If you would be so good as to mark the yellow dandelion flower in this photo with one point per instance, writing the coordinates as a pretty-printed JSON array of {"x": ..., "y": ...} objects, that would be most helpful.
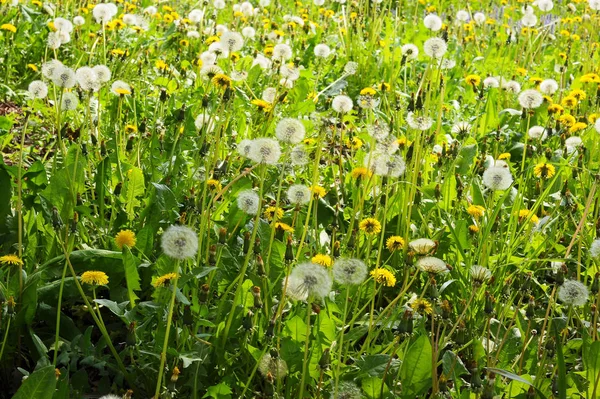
[
  {"x": 555, "y": 109},
  {"x": 522, "y": 71},
  {"x": 473, "y": 80},
  {"x": 504, "y": 155},
  {"x": 567, "y": 120},
  {"x": 354, "y": 143},
  {"x": 370, "y": 226},
  {"x": 165, "y": 280},
  {"x": 284, "y": 227},
  {"x": 318, "y": 191},
  {"x": 422, "y": 306},
  {"x": 476, "y": 211},
  {"x": 360, "y": 172},
  {"x": 125, "y": 238},
  {"x": 261, "y": 104},
  {"x": 12, "y": 260},
  {"x": 130, "y": 129},
  {"x": 322, "y": 259},
  {"x": 394, "y": 243},
  {"x": 8, "y": 28},
  {"x": 214, "y": 184},
  {"x": 32, "y": 67},
  {"x": 221, "y": 80},
  {"x": 473, "y": 229},
  {"x": 526, "y": 213},
  {"x": 93, "y": 277},
  {"x": 577, "y": 127},
  {"x": 271, "y": 212},
  {"x": 578, "y": 94},
  {"x": 383, "y": 276},
  {"x": 544, "y": 170},
  {"x": 368, "y": 91},
  {"x": 569, "y": 102}
]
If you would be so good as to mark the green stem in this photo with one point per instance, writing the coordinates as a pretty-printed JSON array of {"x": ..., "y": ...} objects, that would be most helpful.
[{"x": 163, "y": 354}]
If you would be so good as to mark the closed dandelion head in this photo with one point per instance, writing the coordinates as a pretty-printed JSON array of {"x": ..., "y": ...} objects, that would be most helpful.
[
  {"x": 530, "y": 99},
  {"x": 595, "y": 249},
  {"x": 342, "y": 104},
  {"x": 497, "y": 178},
  {"x": 348, "y": 271},
  {"x": 298, "y": 194},
  {"x": 422, "y": 246},
  {"x": 265, "y": 150},
  {"x": 249, "y": 202},
  {"x": 394, "y": 243},
  {"x": 432, "y": 265},
  {"x": 38, "y": 89},
  {"x": 164, "y": 280},
  {"x": 272, "y": 367},
  {"x": 308, "y": 280},
  {"x": 383, "y": 276},
  {"x": 347, "y": 390},
  {"x": 11, "y": 260},
  {"x": 573, "y": 293},
  {"x": 125, "y": 238},
  {"x": 290, "y": 130},
  {"x": 179, "y": 242},
  {"x": 370, "y": 226},
  {"x": 480, "y": 275},
  {"x": 94, "y": 278}
]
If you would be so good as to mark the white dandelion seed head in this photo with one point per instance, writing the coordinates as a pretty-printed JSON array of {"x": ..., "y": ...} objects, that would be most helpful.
[
  {"x": 497, "y": 178},
  {"x": 479, "y": 18},
  {"x": 298, "y": 194},
  {"x": 282, "y": 52},
  {"x": 38, "y": 89},
  {"x": 63, "y": 25},
  {"x": 219, "y": 4},
  {"x": 244, "y": 146},
  {"x": 232, "y": 41},
  {"x": 435, "y": 47},
  {"x": 269, "y": 94},
  {"x": 529, "y": 20},
  {"x": 549, "y": 86},
  {"x": 433, "y": 22},
  {"x": 193, "y": 34},
  {"x": 318, "y": 2},
  {"x": 538, "y": 133},
  {"x": 290, "y": 130},
  {"x": 219, "y": 49},
  {"x": 433, "y": 265},
  {"x": 594, "y": 5},
  {"x": 597, "y": 125},
  {"x": 262, "y": 61},
  {"x": 110, "y": 396},
  {"x": 150, "y": 10},
  {"x": 461, "y": 128},
  {"x": 480, "y": 274},
  {"x": 544, "y": 5},
  {"x": 308, "y": 280},
  {"x": 196, "y": 16},
  {"x": 422, "y": 246},
  {"x": 78, "y": 20},
  {"x": 87, "y": 79},
  {"x": 350, "y": 68},
  {"x": 265, "y": 150},
  {"x": 248, "y": 202},
  {"x": 349, "y": 271},
  {"x": 573, "y": 293},
  {"x": 264, "y": 3},
  {"x": 272, "y": 366},
  {"x": 447, "y": 63},
  {"x": 418, "y": 122},
  {"x": 205, "y": 121},
  {"x": 289, "y": 72},
  {"x": 347, "y": 390},
  {"x": 530, "y": 99},
  {"x": 367, "y": 101},
  {"x": 462, "y": 16},
  {"x": 342, "y": 104},
  {"x": 573, "y": 142},
  {"x": 69, "y": 101},
  {"x": 410, "y": 51},
  {"x": 130, "y": 19},
  {"x": 388, "y": 145},
  {"x": 102, "y": 72},
  {"x": 119, "y": 85},
  {"x": 249, "y": 32},
  {"x": 104, "y": 12},
  {"x": 511, "y": 86},
  {"x": 595, "y": 249},
  {"x": 64, "y": 77},
  {"x": 390, "y": 166},
  {"x": 208, "y": 58},
  {"x": 299, "y": 156},
  {"x": 179, "y": 242},
  {"x": 322, "y": 50},
  {"x": 491, "y": 82}
]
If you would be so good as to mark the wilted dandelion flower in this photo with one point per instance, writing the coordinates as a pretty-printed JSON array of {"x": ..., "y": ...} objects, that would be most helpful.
[
  {"x": 370, "y": 226},
  {"x": 125, "y": 238},
  {"x": 120, "y": 88},
  {"x": 308, "y": 280},
  {"x": 422, "y": 246},
  {"x": 322, "y": 259},
  {"x": 179, "y": 242},
  {"x": 347, "y": 390},
  {"x": 544, "y": 170},
  {"x": 164, "y": 280},
  {"x": 248, "y": 202},
  {"x": 383, "y": 276},
  {"x": 290, "y": 130},
  {"x": 94, "y": 278},
  {"x": 432, "y": 22},
  {"x": 595, "y": 248},
  {"x": 342, "y": 104},
  {"x": 265, "y": 150},
  {"x": 298, "y": 194},
  {"x": 530, "y": 99},
  {"x": 435, "y": 47},
  {"x": 497, "y": 178},
  {"x": 272, "y": 367},
  {"x": 480, "y": 274},
  {"x": 12, "y": 260},
  {"x": 432, "y": 265},
  {"x": 38, "y": 89},
  {"x": 573, "y": 293},
  {"x": 69, "y": 101},
  {"x": 394, "y": 243},
  {"x": 349, "y": 271}
]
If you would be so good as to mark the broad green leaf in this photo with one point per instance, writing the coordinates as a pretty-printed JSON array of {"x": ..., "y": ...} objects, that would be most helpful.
[
  {"x": 453, "y": 365},
  {"x": 132, "y": 276},
  {"x": 5, "y": 194},
  {"x": 416, "y": 370},
  {"x": 220, "y": 391},
  {"x": 39, "y": 385},
  {"x": 591, "y": 360},
  {"x": 372, "y": 387},
  {"x": 295, "y": 328},
  {"x": 133, "y": 188},
  {"x": 373, "y": 365}
]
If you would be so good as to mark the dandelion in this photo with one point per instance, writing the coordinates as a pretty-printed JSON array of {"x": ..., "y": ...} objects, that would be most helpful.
[
  {"x": 248, "y": 202},
  {"x": 179, "y": 242},
  {"x": 573, "y": 293},
  {"x": 418, "y": 122},
  {"x": 290, "y": 130},
  {"x": 164, "y": 280},
  {"x": 206, "y": 122},
  {"x": 383, "y": 276},
  {"x": 525, "y": 214},
  {"x": 69, "y": 102},
  {"x": 298, "y": 194},
  {"x": 347, "y": 390},
  {"x": 544, "y": 170},
  {"x": 272, "y": 367},
  {"x": 221, "y": 80},
  {"x": 87, "y": 79},
  {"x": 360, "y": 172},
  {"x": 491, "y": 82},
  {"x": 548, "y": 86},
  {"x": 232, "y": 41},
  {"x": 12, "y": 260},
  {"x": 318, "y": 191},
  {"x": 342, "y": 104},
  {"x": 379, "y": 130},
  {"x": 110, "y": 397},
  {"x": 282, "y": 52},
  {"x": 422, "y": 306},
  {"x": 102, "y": 72},
  {"x": 422, "y": 246},
  {"x": 473, "y": 80},
  {"x": 308, "y": 280},
  {"x": 480, "y": 275},
  {"x": 299, "y": 156},
  {"x": 125, "y": 238},
  {"x": 64, "y": 77},
  {"x": 120, "y": 88},
  {"x": 410, "y": 51},
  {"x": 370, "y": 226},
  {"x": 595, "y": 249},
  {"x": 394, "y": 243},
  {"x": 435, "y": 47},
  {"x": 271, "y": 212},
  {"x": 265, "y": 150},
  {"x": 476, "y": 211},
  {"x": 432, "y": 265},
  {"x": 349, "y": 271},
  {"x": 8, "y": 28},
  {"x": 94, "y": 278},
  {"x": 38, "y": 89},
  {"x": 538, "y": 133},
  {"x": 322, "y": 51},
  {"x": 322, "y": 259},
  {"x": 497, "y": 178},
  {"x": 433, "y": 22},
  {"x": 530, "y": 99}
]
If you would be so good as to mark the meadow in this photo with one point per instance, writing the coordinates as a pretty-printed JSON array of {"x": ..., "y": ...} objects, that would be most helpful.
[{"x": 299, "y": 199}]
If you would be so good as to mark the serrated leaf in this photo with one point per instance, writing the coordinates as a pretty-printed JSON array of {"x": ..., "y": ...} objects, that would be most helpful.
[
  {"x": 133, "y": 188},
  {"x": 132, "y": 277},
  {"x": 39, "y": 385},
  {"x": 416, "y": 370}
]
